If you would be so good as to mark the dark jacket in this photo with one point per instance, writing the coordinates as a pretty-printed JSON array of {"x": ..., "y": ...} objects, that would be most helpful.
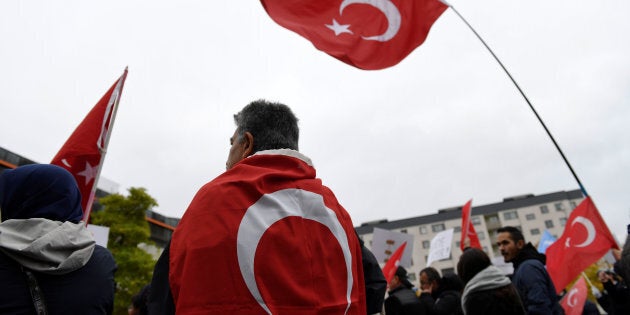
[
  {"x": 533, "y": 283},
  {"x": 403, "y": 301},
  {"x": 88, "y": 290},
  {"x": 448, "y": 299},
  {"x": 375, "y": 284},
  {"x": 616, "y": 298}
]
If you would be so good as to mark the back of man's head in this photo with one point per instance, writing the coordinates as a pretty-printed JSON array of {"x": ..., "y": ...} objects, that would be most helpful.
[
  {"x": 515, "y": 234},
  {"x": 272, "y": 125}
]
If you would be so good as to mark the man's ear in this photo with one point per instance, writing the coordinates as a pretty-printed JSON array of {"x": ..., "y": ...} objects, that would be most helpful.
[
  {"x": 520, "y": 244},
  {"x": 248, "y": 144}
]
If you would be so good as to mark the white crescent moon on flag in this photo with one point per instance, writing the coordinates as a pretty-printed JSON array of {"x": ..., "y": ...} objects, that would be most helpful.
[
  {"x": 389, "y": 10},
  {"x": 571, "y": 298},
  {"x": 271, "y": 208},
  {"x": 590, "y": 229}
]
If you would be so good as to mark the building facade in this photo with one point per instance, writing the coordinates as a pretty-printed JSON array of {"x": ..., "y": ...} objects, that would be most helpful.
[{"x": 531, "y": 214}]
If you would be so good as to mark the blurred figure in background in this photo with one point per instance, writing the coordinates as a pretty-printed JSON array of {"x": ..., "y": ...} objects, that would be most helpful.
[
  {"x": 487, "y": 291},
  {"x": 402, "y": 300}
]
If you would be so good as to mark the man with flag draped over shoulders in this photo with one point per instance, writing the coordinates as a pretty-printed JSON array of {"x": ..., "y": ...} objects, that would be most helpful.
[{"x": 266, "y": 236}]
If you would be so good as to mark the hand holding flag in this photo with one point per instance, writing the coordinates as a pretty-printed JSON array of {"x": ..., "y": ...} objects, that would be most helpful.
[{"x": 84, "y": 152}]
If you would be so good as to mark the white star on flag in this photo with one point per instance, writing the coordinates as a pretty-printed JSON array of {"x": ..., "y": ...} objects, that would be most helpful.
[
  {"x": 339, "y": 28},
  {"x": 89, "y": 172}
]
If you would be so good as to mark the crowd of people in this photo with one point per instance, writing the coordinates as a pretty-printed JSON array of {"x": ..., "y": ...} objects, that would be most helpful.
[{"x": 266, "y": 236}]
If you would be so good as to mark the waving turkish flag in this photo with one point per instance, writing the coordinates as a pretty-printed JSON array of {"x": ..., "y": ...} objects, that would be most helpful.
[
  {"x": 469, "y": 235},
  {"x": 585, "y": 239},
  {"x": 367, "y": 34},
  {"x": 573, "y": 301},
  {"x": 392, "y": 263},
  {"x": 83, "y": 153}
]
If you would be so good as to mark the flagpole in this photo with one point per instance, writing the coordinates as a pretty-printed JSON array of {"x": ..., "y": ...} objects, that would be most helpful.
[
  {"x": 566, "y": 161},
  {"x": 103, "y": 149}
]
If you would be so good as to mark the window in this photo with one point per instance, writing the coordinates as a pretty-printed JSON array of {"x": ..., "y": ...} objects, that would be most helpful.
[
  {"x": 403, "y": 231},
  {"x": 573, "y": 204},
  {"x": 534, "y": 231},
  {"x": 563, "y": 221},
  {"x": 447, "y": 271},
  {"x": 437, "y": 227},
  {"x": 457, "y": 229},
  {"x": 548, "y": 224},
  {"x": 530, "y": 216},
  {"x": 476, "y": 220},
  {"x": 510, "y": 215},
  {"x": 493, "y": 220},
  {"x": 559, "y": 206},
  {"x": 457, "y": 244},
  {"x": 481, "y": 235},
  {"x": 426, "y": 244},
  {"x": 423, "y": 230},
  {"x": 544, "y": 209}
]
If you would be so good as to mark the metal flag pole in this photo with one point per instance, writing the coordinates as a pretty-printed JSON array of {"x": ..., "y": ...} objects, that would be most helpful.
[{"x": 566, "y": 161}]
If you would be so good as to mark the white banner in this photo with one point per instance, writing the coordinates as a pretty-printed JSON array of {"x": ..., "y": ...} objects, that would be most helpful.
[
  {"x": 101, "y": 234},
  {"x": 385, "y": 243},
  {"x": 440, "y": 246}
]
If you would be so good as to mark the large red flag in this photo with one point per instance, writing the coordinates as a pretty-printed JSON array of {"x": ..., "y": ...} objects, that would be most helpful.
[
  {"x": 84, "y": 152},
  {"x": 392, "y": 263},
  {"x": 367, "y": 34},
  {"x": 585, "y": 239},
  {"x": 573, "y": 301},
  {"x": 469, "y": 235}
]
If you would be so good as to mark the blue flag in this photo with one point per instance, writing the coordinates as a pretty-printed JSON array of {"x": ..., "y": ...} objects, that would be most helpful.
[{"x": 546, "y": 240}]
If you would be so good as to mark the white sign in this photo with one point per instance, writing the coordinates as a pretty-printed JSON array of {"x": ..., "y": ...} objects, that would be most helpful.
[
  {"x": 385, "y": 243},
  {"x": 101, "y": 234},
  {"x": 440, "y": 246},
  {"x": 506, "y": 267}
]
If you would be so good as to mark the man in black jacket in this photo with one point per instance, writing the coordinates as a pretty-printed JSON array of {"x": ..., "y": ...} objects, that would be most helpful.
[{"x": 402, "y": 300}]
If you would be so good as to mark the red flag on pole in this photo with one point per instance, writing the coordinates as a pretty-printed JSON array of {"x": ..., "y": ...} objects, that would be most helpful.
[
  {"x": 367, "y": 34},
  {"x": 84, "y": 152},
  {"x": 573, "y": 301},
  {"x": 469, "y": 235},
  {"x": 392, "y": 263},
  {"x": 585, "y": 239}
]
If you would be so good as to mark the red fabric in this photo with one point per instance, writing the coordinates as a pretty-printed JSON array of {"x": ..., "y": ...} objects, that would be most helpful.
[
  {"x": 299, "y": 266},
  {"x": 585, "y": 239},
  {"x": 81, "y": 155},
  {"x": 313, "y": 20},
  {"x": 468, "y": 230},
  {"x": 573, "y": 301},
  {"x": 389, "y": 270}
]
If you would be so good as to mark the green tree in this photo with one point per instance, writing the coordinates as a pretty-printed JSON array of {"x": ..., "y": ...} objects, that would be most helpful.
[{"x": 125, "y": 217}]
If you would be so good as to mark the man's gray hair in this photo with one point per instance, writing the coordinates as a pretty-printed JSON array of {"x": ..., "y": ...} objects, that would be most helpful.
[{"x": 273, "y": 125}]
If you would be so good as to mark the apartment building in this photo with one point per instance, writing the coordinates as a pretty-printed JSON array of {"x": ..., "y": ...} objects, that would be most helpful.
[{"x": 530, "y": 213}]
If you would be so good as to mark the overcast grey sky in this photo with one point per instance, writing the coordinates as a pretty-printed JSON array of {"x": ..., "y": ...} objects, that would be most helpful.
[{"x": 443, "y": 126}]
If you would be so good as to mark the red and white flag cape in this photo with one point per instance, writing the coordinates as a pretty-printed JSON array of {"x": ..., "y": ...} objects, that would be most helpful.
[
  {"x": 469, "y": 235},
  {"x": 389, "y": 270},
  {"x": 573, "y": 301},
  {"x": 585, "y": 239},
  {"x": 84, "y": 152},
  {"x": 367, "y": 34}
]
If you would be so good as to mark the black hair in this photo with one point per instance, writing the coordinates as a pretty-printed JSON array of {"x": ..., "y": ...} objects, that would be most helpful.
[
  {"x": 273, "y": 125},
  {"x": 515, "y": 234}
]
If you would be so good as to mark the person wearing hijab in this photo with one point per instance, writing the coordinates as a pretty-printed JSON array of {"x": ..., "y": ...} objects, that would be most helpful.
[{"x": 49, "y": 261}]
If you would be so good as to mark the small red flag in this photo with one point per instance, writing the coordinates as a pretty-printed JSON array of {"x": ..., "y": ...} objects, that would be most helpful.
[
  {"x": 573, "y": 301},
  {"x": 367, "y": 34},
  {"x": 469, "y": 235},
  {"x": 389, "y": 270},
  {"x": 83, "y": 153},
  {"x": 585, "y": 239}
]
